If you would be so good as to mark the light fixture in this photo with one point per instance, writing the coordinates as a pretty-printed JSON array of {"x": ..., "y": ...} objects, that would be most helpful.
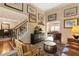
[{"x": 6, "y": 22}]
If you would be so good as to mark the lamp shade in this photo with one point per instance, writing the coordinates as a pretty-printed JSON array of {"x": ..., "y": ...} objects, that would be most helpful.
[
  {"x": 50, "y": 38},
  {"x": 75, "y": 30}
]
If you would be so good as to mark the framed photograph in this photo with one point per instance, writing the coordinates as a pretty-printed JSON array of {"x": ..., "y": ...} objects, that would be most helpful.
[
  {"x": 40, "y": 19},
  {"x": 70, "y": 12},
  {"x": 32, "y": 18},
  {"x": 52, "y": 17},
  {"x": 5, "y": 26},
  {"x": 31, "y": 10},
  {"x": 69, "y": 23},
  {"x": 17, "y": 6}
]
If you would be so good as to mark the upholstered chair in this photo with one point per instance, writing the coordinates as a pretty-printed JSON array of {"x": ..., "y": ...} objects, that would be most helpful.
[{"x": 26, "y": 49}]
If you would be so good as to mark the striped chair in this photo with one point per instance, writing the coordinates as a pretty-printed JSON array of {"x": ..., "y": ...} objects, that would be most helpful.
[{"x": 26, "y": 49}]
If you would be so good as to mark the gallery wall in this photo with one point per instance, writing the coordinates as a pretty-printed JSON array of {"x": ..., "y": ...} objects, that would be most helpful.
[
  {"x": 30, "y": 27},
  {"x": 66, "y": 32}
]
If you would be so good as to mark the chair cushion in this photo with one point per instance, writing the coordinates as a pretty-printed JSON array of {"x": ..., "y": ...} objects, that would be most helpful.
[
  {"x": 24, "y": 48},
  {"x": 27, "y": 47},
  {"x": 19, "y": 47},
  {"x": 28, "y": 53}
]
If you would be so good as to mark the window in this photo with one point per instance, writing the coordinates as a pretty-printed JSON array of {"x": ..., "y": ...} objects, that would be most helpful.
[{"x": 55, "y": 27}]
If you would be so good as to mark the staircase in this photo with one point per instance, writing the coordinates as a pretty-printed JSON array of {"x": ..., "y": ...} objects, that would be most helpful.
[{"x": 73, "y": 47}]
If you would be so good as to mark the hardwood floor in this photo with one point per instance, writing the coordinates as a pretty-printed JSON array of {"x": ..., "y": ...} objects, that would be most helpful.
[{"x": 4, "y": 45}]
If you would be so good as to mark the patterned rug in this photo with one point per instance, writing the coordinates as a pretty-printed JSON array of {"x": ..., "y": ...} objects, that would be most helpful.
[{"x": 44, "y": 53}]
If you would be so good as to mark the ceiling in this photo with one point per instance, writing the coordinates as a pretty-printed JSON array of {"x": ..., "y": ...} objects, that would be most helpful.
[
  {"x": 46, "y": 6},
  {"x": 11, "y": 17}
]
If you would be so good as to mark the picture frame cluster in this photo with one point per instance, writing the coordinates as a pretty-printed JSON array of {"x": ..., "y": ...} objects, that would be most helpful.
[
  {"x": 34, "y": 17},
  {"x": 69, "y": 12}
]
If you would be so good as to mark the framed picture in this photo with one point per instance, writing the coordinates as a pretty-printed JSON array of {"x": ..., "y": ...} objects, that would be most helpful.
[
  {"x": 5, "y": 26},
  {"x": 70, "y": 12},
  {"x": 40, "y": 19},
  {"x": 69, "y": 23},
  {"x": 52, "y": 17},
  {"x": 31, "y": 10},
  {"x": 32, "y": 18},
  {"x": 17, "y": 6}
]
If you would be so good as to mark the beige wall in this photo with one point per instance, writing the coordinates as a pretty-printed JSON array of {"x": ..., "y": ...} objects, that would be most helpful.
[
  {"x": 66, "y": 33},
  {"x": 60, "y": 17},
  {"x": 26, "y": 37}
]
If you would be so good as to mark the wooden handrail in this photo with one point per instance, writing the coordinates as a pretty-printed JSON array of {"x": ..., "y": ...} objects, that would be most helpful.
[{"x": 20, "y": 24}]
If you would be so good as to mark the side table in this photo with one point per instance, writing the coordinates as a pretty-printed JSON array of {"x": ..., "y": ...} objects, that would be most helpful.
[{"x": 50, "y": 47}]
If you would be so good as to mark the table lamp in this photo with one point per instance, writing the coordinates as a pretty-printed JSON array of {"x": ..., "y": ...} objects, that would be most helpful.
[
  {"x": 75, "y": 31},
  {"x": 50, "y": 38}
]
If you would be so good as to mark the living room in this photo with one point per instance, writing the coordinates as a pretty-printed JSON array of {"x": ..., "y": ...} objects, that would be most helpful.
[{"x": 39, "y": 29}]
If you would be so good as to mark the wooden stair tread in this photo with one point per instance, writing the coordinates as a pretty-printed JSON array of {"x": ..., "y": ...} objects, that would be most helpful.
[
  {"x": 74, "y": 47},
  {"x": 72, "y": 52},
  {"x": 74, "y": 43}
]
